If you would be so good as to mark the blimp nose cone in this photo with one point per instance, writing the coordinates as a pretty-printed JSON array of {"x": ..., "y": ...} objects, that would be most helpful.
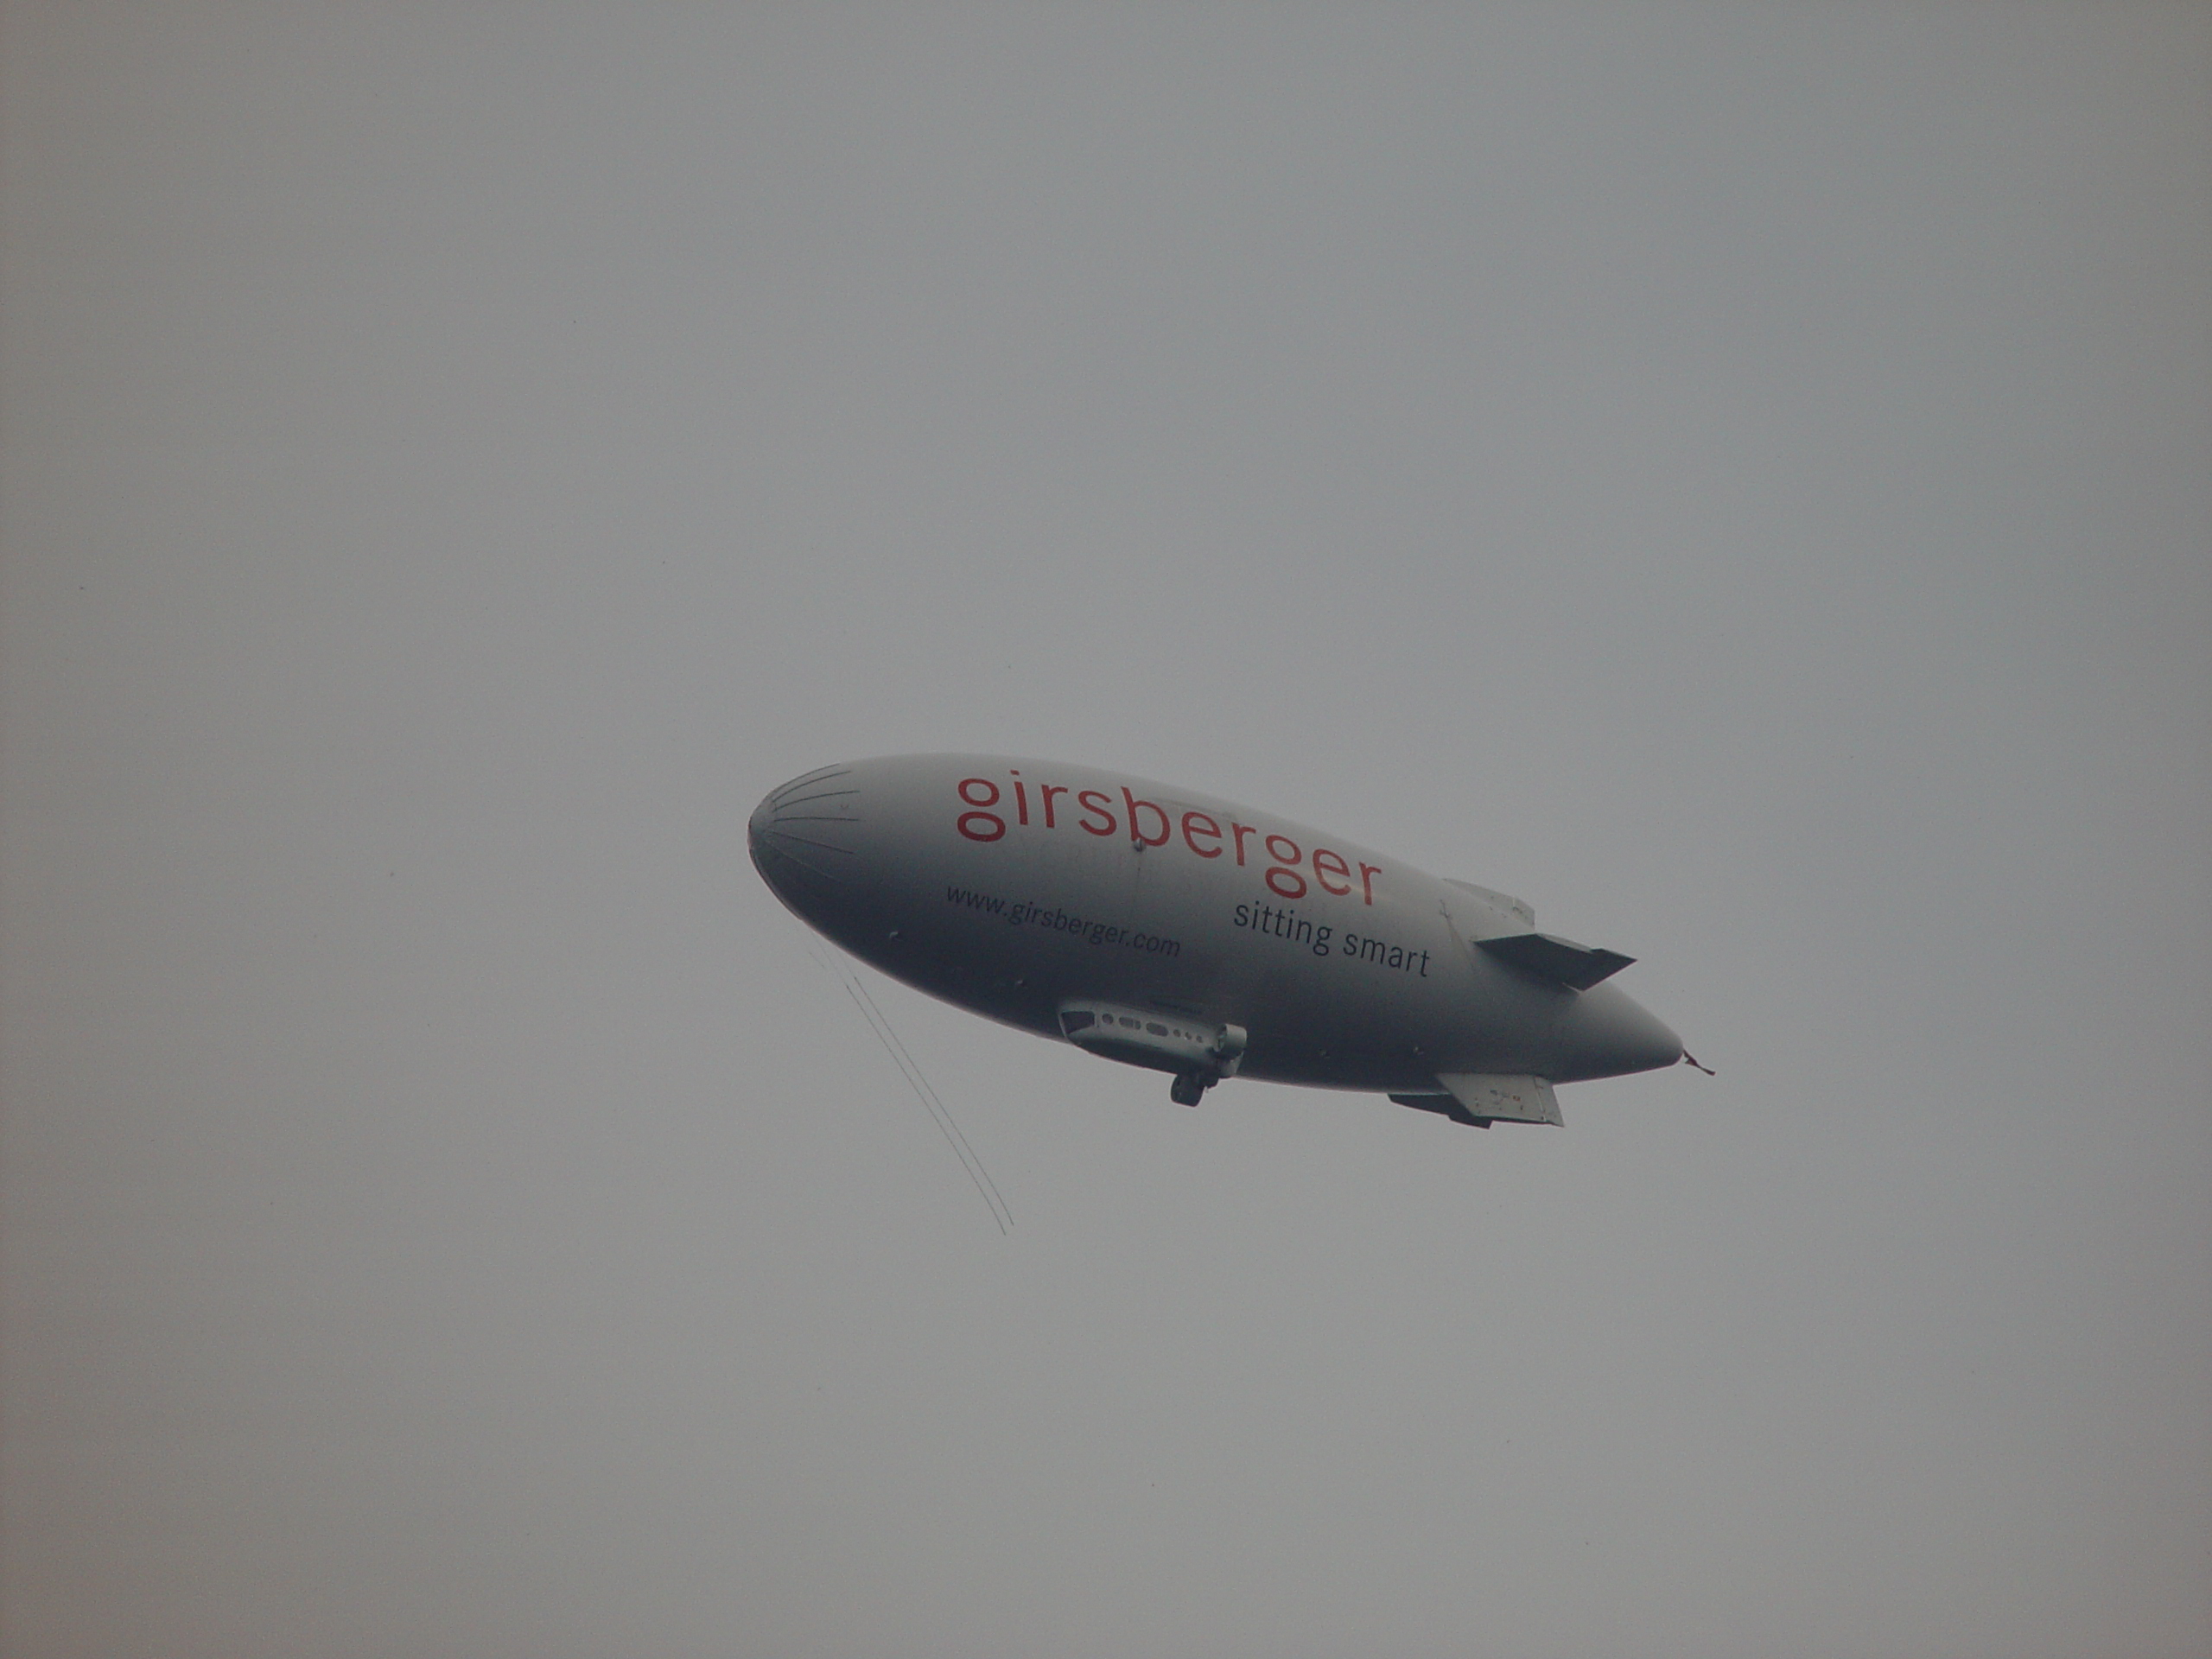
[
  {"x": 1610, "y": 1034},
  {"x": 804, "y": 838}
]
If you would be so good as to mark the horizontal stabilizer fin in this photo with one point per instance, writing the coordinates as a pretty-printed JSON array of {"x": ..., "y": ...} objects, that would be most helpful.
[
  {"x": 1444, "y": 1106},
  {"x": 1481, "y": 1099},
  {"x": 1562, "y": 961}
]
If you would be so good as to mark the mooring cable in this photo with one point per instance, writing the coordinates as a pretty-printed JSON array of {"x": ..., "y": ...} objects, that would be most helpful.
[{"x": 939, "y": 1114}]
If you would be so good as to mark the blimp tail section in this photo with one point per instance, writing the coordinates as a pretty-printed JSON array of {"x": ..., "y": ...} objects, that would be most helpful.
[{"x": 1480, "y": 1099}]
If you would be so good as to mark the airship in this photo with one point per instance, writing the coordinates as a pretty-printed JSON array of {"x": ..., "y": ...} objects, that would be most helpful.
[{"x": 1164, "y": 929}]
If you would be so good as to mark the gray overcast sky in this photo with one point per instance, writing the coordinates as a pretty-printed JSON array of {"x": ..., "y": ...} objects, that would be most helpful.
[{"x": 1738, "y": 477}]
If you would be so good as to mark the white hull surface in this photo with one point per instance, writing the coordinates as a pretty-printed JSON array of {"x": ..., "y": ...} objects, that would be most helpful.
[{"x": 1021, "y": 889}]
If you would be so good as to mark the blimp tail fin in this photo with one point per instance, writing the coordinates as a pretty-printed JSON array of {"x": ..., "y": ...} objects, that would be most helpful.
[
  {"x": 1548, "y": 956},
  {"x": 1481, "y": 1099}
]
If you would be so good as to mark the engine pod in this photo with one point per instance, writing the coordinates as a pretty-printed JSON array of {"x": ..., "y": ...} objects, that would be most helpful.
[{"x": 1163, "y": 1042}]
